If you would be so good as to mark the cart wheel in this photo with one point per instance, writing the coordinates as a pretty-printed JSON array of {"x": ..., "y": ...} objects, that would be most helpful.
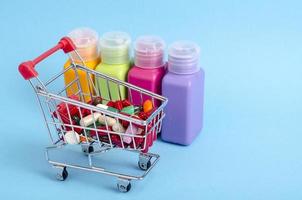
[
  {"x": 61, "y": 176},
  {"x": 124, "y": 185},
  {"x": 87, "y": 149},
  {"x": 144, "y": 162},
  {"x": 144, "y": 165},
  {"x": 90, "y": 149}
]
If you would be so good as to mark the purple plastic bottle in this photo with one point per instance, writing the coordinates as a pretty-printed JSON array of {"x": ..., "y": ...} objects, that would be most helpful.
[
  {"x": 183, "y": 85},
  {"x": 148, "y": 70}
]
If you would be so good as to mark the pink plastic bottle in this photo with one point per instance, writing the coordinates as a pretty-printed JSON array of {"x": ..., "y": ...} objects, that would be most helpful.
[
  {"x": 149, "y": 67},
  {"x": 148, "y": 70}
]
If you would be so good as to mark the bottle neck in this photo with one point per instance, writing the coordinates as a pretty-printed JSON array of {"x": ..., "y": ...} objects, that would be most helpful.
[
  {"x": 184, "y": 57},
  {"x": 183, "y": 65},
  {"x": 148, "y": 62},
  {"x": 183, "y": 69},
  {"x": 115, "y": 60}
]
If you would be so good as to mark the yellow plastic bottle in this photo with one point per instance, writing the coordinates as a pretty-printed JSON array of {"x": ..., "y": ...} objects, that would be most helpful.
[
  {"x": 115, "y": 63},
  {"x": 86, "y": 40}
]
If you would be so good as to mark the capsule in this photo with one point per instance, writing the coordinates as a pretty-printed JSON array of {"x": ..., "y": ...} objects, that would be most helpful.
[
  {"x": 134, "y": 131},
  {"x": 110, "y": 121},
  {"x": 107, "y": 108},
  {"x": 90, "y": 119},
  {"x": 72, "y": 137},
  {"x": 102, "y": 106},
  {"x": 128, "y": 110},
  {"x": 117, "y": 127}
]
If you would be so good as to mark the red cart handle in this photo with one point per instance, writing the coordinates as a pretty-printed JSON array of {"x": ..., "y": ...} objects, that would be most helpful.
[{"x": 27, "y": 69}]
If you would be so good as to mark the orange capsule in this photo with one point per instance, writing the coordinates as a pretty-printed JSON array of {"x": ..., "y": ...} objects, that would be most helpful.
[
  {"x": 83, "y": 138},
  {"x": 147, "y": 106}
]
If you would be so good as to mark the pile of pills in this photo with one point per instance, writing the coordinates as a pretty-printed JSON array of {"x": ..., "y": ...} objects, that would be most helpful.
[{"x": 89, "y": 126}]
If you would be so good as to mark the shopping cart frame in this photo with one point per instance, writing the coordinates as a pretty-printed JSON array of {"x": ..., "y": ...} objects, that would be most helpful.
[{"x": 146, "y": 160}]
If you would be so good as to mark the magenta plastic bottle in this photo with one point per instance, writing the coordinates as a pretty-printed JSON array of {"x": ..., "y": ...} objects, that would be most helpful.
[
  {"x": 183, "y": 85},
  {"x": 149, "y": 67}
]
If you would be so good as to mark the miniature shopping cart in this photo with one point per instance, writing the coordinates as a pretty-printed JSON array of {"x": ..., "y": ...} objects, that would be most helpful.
[{"x": 50, "y": 98}]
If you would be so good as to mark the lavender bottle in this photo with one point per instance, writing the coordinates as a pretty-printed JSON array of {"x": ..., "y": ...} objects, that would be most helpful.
[{"x": 183, "y": 85}]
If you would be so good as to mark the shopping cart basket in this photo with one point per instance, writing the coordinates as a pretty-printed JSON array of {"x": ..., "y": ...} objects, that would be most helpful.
[{"x": 103, "y": 140}]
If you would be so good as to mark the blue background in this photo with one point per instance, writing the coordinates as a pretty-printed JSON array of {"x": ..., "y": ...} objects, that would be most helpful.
[{"x": 250, "y": 147}]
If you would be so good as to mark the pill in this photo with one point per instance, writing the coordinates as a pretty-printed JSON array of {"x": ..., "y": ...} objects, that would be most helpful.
[
  {"x": 111, "y": 104},
  {"x": 126, "y": 103},
  {"x": 143, "y": 115},
  {"x": 83, "y": 138},
  {"x": 113, "y": 109},
  {"x": 84, "y": 112},
  {"x": 134, "y": 131},
  {"x": 87, "y": 131},
  {"x": 97, "y": 100},
  {"x": 100, "y": 131},
  {"x": 107, "y": 107},
  {"x": 128, "y": 110},
  {"x": 147, "y": 106},
  {"x": 72, "y": 137},
  {"x": 119, "y": 105},
  {"x": 102, "y": 106},
  {"x": 76, "y": 119},
  {"x": 117, "y": 127},
  {"x": 110, "y": 121},
  {"x": 125, "y": 123},
  {"x": 90, "y": 119},
  {"x": 116, "y": 140}
]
